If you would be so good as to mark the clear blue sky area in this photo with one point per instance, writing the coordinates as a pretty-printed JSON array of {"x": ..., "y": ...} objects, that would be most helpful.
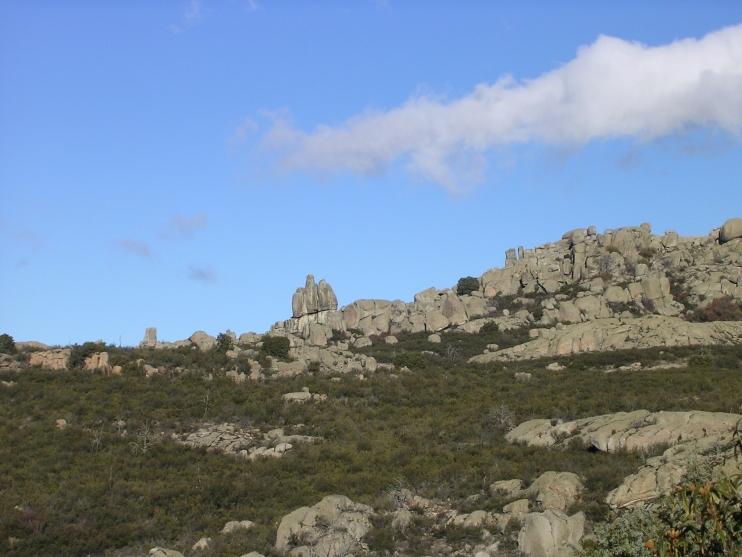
[{"x": 184, "y": 164}]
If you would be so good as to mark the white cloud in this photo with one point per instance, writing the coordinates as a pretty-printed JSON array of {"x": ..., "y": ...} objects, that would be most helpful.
[{"x": 612, "y": 88}]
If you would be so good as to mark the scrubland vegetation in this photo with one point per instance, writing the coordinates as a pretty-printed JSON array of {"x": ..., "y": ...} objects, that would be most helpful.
[{"x": 113, "y": 480}]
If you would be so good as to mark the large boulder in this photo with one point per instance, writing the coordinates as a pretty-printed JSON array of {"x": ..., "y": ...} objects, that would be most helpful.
[
  {"x": 556, "y": 490},
  {"x": 98, "y": 362},
  {"x": 202, "y": 341},
  {"x": 551, "y": 534},
  {"x": 56, "y": 359},
  {"x": 731, "y": 230},
  {"x": 313, "y": 298},
  {"x": 334, "y": 527}
]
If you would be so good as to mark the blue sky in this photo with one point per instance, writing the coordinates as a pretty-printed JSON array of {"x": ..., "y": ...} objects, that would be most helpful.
[{"x": 185, "y": 164}]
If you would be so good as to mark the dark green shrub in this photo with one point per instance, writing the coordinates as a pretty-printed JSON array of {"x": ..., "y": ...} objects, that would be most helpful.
[
  {"x": 313, "y": 367},
  {"x": 467, "y": 285},
  {"x": 412, "y": 360},
  {"x": 81, "y": 351},
  {"x": 276, "y": 346},
  {"x": 224, "y": 342},
  {"x": 7, "y": 344}
]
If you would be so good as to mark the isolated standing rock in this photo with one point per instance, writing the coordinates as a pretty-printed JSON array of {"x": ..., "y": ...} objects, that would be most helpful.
[
  {"x": 150, "y": 338},
  {"x": 551, "y": 534},
  {"x": 313, "y": 298}
]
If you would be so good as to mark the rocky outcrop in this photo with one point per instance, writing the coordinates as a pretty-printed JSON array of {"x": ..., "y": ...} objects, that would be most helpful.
[
  {"x": 551, "y": 534},
  {"x": 731, "y": 230},
  {"x": 56, "y": 359},
  {"x": 334, "y": 527},
  {"x": 98, "y": 362},
  {"x": 704, "y": 439},
  {"x": 639, "y": 430},
  {"x": 714, "y": 452},
  {"x": 303, "y": 396},
  {"x": 618, "y": 334},
  {"x": 313, "y": 298},
  {"x": 247, "y": 443}
]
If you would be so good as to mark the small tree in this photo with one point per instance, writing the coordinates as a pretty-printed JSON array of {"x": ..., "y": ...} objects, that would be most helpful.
[
  {"x": 467, "y": 285},
  {"x": 224, "y": 342},
  {"x": 7, "y": 344},
  {"x": 276, "y": 346}
]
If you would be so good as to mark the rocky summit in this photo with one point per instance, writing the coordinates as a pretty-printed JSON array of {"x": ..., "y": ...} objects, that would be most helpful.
[{"x": 585, "y": 396}]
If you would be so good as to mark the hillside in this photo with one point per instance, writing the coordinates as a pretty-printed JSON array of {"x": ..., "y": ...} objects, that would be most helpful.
[{"x": 544, "y": 408}]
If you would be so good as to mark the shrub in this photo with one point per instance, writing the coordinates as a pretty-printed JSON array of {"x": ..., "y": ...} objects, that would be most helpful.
[
  {"x": 276, "y": 346},
  {"x": 467, "y": 285},
  {"x": 224, "y": 342},
  {"x": 7, "y": 344},
  {"x": 82, "y": 351},
  {"x": 701, "y": 519},
  {"x": 624, "y": 536},
  {"x": 697, "y": 519},
  {"x": 720, "y": 309},
  {"x": 412, "y": 360}
]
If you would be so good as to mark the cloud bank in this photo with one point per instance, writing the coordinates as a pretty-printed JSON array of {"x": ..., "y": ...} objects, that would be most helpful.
[{"x": 612, "y": 89}]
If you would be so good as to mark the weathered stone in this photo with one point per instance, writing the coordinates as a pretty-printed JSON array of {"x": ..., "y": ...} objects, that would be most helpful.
[
  {"x": 731, "y": 230},
  {"x": 313, "y": 298},
  {"x": 556, "y": 490},
  {"x": 150, "y": 338},
  {"x": 551, "y": 534},
  {"x": 202, "y": 341},
  {"x": 236, "y": 525},
  {"x": 201, "y": 545},
  {"x": 162, "y": 552},
  {"x": 639, "y": 430},
  {"x": 435, "y": 338},
  {"x": 614, "y": 334},
  {"x": 334, "y": 527},
  {"x": 510, "y": 488},
  {"x": 56, "y": 359},
  {"x": 98, "y": 362}
]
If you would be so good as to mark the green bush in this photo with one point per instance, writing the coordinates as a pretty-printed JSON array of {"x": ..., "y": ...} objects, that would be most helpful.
[
  {"x": 82, "y": 351},
  {"x": 412, "y": 360},
  {"x": 467, "y": 285},
  {"x": 276, "y": 346},
  {"x": 701, "y": 519},
  {"x": 624, "y": 536},
  {"x": 696, "y": 520},
  {"x": 7, "y": 344},
  {"x": 224, "y": 342}
]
